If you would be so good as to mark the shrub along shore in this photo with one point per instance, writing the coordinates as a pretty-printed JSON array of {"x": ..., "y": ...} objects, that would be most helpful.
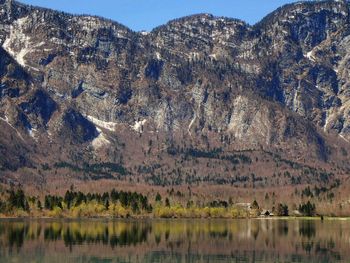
[{"x": 120, "y": 204}]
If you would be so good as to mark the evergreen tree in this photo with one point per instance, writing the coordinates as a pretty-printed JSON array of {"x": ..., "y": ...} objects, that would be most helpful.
[
  {"x": 38, "y": 204},
  {"x": 282, "y": 210},
  {"x": 158, "y": 198},
  {"x": 135, "y": 207},
  {"x": 2, "y": 206},
  {"x": 18, "y": 200},
  {"x": 167, "y": 202},
  {"x": 106, "y": 204},
  {"x": 68, "y": 199},
  {"x": 124, "y": 199},
  {"x": 255, "y": 205},
  {"x": 114, "y": 196},
  {"x": 307, "y": 209}
]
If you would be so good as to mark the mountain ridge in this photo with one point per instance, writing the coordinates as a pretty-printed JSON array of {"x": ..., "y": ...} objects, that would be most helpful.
[{"x": 283, "y": 7}]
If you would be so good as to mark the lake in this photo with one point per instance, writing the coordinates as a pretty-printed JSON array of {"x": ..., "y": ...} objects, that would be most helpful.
[{"x": 255, "y": 240}]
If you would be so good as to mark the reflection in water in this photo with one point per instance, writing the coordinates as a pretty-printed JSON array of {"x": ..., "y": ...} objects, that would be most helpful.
[
  {"x": 307, "y": 229},
  {"x": 175, "y": 241}
]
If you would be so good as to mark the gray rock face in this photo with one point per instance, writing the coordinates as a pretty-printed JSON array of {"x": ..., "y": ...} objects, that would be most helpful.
[
  {"x": 77, "y": 127},
  {"x": 282, "y": 84},
  {"x": 40, "y": 106}
]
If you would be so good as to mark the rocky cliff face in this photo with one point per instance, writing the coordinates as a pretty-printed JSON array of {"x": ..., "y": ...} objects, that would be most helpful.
[{"x": 82, "y": 89}]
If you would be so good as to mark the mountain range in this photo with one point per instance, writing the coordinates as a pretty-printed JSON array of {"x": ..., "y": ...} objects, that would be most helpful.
[{"x": 201, "y": 100}]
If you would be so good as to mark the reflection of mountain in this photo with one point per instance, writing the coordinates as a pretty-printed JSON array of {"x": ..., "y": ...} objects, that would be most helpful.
[{"x": 163, "y": 240}]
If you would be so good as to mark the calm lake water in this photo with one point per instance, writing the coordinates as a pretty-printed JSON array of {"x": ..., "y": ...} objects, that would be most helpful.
[{"x": 175, "y": 241}]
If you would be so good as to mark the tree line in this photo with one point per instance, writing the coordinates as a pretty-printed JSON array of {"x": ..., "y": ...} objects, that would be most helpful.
[
  {"x": 133, "y": 200},
  {"x": 124, "y": 204}
]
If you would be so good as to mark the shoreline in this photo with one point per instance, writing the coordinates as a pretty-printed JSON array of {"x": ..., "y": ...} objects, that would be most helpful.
[{"x": 143, "y": 218}]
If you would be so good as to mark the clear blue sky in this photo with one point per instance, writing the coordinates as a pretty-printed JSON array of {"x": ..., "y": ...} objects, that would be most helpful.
[{"x": 147, "y": 14}]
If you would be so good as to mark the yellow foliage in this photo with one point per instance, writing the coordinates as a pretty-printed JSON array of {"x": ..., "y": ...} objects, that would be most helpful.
[
  {"x": 178, "y": 211},
  {"x": 162, "y": 212},
  {"x": 92, "y": 209},
  {"x": 56, "y": 212},
  {"x": 20, "y": 213},
  {"x": 119, "y": 211},
  {"x": 96, "y": 209},
  {"x": 206, "y": 212}
]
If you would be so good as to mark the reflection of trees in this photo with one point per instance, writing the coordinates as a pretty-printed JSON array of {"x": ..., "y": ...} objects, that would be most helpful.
[
  {"x": 282, "y": 227},
  {"x": 76, "y": 237},
  {"x": 158, "y": 238},
  {"x": 2, "y": 230},
  {"x": 326, "y": 251},
  {"x": 255, "y": 229},
  {"x": 131, "y": 236},
  {"x": 218, "y": 234},
  {"x": 52, "y": 233},
  {"x": 118, "y": 234},
  {"x": 167, "y": 234},
  {"x": 307, "y": 229},
  {"x": 307, "y": 246},
  {"x": 17, "y": 234}
]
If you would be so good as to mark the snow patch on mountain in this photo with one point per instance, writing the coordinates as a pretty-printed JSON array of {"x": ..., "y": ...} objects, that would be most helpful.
[
  {"x": 104, "y": 124},
  {"x": 18, "y": 44},
  {"x": 100, "y": 140},
  {"x": 138, "y": 126},
  {"x": 310, "y": 56},
  {"x": 32, "y": 133}
]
